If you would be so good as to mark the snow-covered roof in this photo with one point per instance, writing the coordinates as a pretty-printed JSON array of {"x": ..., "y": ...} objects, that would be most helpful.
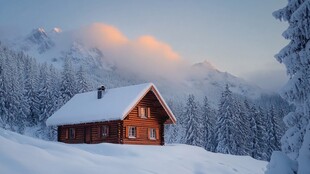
[{"x": 115, "y": 104}]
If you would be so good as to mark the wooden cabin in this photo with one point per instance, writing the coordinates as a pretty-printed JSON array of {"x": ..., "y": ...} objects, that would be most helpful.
[{"x": 126, "y": 115}]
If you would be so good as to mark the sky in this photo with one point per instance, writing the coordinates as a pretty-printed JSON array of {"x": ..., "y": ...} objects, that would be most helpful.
[{"x": 240, "y": 37}]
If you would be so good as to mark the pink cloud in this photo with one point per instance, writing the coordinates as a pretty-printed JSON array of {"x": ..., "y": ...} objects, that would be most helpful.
[
  {"x": 144, "y": 55},
  {"x": 151, "y": 44}
]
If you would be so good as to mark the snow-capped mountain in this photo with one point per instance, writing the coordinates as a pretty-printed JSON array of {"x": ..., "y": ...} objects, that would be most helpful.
[
  {"x": 38, "y": 40},
  {"x": 205, "y": 77},
  {"x": 199, "y": 79}
]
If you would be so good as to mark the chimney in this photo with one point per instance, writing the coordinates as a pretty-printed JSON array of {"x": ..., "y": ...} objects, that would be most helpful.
[{"x": 100, "y": 91}]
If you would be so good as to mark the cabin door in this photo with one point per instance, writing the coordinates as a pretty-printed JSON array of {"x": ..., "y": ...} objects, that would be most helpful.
[{"x": 87, "y": 134}]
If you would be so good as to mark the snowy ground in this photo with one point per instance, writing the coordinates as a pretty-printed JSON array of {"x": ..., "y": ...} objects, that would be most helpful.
[{"x": 22, "y": 154}]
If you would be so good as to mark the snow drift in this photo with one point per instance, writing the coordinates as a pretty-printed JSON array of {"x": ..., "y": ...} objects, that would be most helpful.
[{"x": 22, "y": 154}]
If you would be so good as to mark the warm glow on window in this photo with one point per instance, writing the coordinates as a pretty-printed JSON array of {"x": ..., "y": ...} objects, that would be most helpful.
[{"x": 143, "y": 113}]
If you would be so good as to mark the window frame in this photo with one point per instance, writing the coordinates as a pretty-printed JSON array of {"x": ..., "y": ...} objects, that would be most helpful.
[
  {"x": 107, "y": 129},
  {"x": 132, "y": 132},
  {"x": 152, "y": 134},
  {"x": 145, "y": 112},
  {"x": 72, "y": 133}
]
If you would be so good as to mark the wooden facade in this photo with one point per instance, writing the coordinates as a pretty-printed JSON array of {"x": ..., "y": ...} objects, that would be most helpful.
[{"x": 149, "y": 129}]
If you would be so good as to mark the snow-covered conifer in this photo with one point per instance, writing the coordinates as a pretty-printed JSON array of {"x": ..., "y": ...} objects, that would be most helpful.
[
  {"x": 82, "y": 82},
  {"x": 272, "y": 132},
  {"x": 193, "y": 123},
  {"x": 207, "y": 126},
  {"x": 226, "y": 133},
  {"x": 295, "y": 56},
  {"x": 68, "y": 82}
]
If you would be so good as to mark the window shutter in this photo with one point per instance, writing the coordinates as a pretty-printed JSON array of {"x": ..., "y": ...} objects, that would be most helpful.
[
  {"x": 99, "y": 132},
  {"x": 157, "y": 134},
  {"x": 137, "y": 132},
  {"x": 149, "y": 112},
  {"x": 139, "y": 111},
  {"x": 149, "y": 133},
  {"x": 74, "y": 133},
  {"x": 67, "y": 133},
  {"x": 108, "y": 131},
  {"x": 127, "y": 132}
]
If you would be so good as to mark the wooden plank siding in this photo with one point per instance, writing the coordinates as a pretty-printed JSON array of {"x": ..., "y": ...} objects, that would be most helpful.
[
  {"x": 95, "y": 130},
  {"x": 156, "y": 121}
]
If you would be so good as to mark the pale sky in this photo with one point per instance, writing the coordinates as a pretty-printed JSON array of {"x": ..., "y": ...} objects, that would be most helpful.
[{"x": 239, "y": 36}]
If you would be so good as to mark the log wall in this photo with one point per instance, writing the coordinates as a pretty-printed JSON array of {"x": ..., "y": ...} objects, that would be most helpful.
[
  {"x": 95, "y": 132},
  {"x": 156, "y": 121}
]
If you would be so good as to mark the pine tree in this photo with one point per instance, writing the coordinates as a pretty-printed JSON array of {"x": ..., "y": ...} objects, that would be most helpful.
[
  {"x": 252, "y": 132},
  {"x": 227, "y": 130},
  {"x": 3, "y": 89},
  {"x": 262, "y": 132},
  {"x": 207, "y": 127},
  {"x": 23, "y": 106},
  {"x": 31, "y": 88},
  {"x": 295, "y": 56},
  {"x": 176, "y": 134},
  {"x": 241, "y": 127},
  {"x": 45, "y": 94},
  {"x": 68, "y": 82},
  {"x": 272, "y": 132},
  {"x": 193, "y": 123},
  {"x": 82, "y": 82},
  {"x": 257, "y": 127},
  {"x": 25, "y": 93},
  {"x": 55, "y": 89}
]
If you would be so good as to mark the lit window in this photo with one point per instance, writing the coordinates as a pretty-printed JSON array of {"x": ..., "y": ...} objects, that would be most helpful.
[
  {"x": 71, "y": 133},
  {"x": 143, "y": 113},
  {"x": 132, "y": 132},
  {"x": 105, "y": 131},
  {"x": 153, "y": 134}
]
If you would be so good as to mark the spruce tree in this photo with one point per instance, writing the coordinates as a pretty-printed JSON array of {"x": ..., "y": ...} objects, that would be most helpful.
[
  {"x": 3, "y": 89},
  {"x": 207, "y": 126},
  {"x": 68, "y": 82},
  {"x": 241, "y": 127},
  {"x": 227, "y": 133},
  {"x": 272, "y": 132},
  {"x": 262, "y": 125},
  {"x": 82, "y": 82},
  {"x": 177, "y": 132},
  {"x": 252, "y": 135},
  {"x": 55, "y": 88},
  {"x": 31, "y": 89},
  {"x": 295, "y": 56},
  {"x": 193, "y": 123}
]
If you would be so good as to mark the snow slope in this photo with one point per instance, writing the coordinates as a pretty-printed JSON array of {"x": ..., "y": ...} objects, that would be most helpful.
[{"x": 22, "y": 154}]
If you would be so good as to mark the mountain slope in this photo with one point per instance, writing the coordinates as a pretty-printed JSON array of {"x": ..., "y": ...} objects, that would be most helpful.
[
  {"x": 22, "y": 154},
  {"x": 105, "y": 66}
]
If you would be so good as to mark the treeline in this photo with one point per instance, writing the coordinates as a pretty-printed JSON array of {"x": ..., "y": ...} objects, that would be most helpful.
[
  {"x": 31, "y": 92},
  {"x": 237, "y": 127}
]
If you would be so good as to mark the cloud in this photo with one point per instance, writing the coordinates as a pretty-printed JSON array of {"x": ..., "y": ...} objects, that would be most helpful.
[
  {"x": 270, "y": 79},
  {"x": 9, "y": 32},
  {"x": 103, "y": 35},
  {"x": 151, "y": 44},
  {"x": 145, "y": 56}
]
